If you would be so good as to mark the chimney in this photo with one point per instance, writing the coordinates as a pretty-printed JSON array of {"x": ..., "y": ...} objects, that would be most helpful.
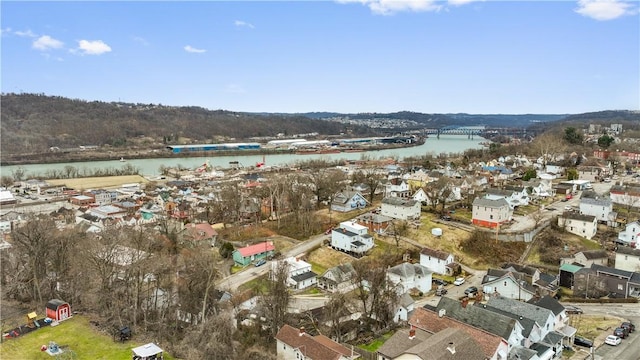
[
  {"x": 301, "y": 331},
  {"x": 412, "y": 333},
  {"x": 442, "y": 312},
  {"x": 451, "y": 348},
  {"x": 465, "y": 301}
]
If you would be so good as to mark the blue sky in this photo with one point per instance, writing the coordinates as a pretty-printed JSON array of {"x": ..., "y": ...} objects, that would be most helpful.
[{"x": 345, "y": 56}]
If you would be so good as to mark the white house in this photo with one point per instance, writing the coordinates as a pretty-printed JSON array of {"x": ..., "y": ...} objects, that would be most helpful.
[
  {"x": 338, "y": 279},
  {"x": 405, "y": 306},
  {"x": 599, "y": 207},
  {"x": 300, "y": 275},
  {"x": 346, "y": 201},
  {"x": 544, "y": 317},
  {"x": 436, "y": 260},
  {"x": 587, "y": 257},
  {"x": 490, "y": 213},
  {"x": 420, "y": 196},
  {"x": 397, "y": 187},
  {"x": 400, "y": 208},
  {"x": 630, "y": 235},
  {"x": 407, "y": 276},
  {"x": 508, "y": 286},
  {"x": 516, "y": 196},
  {"x": 628, "y": 259},
  {"x": 581, "y": 225},
  {"x": 625, "y": 195},
  {"x": 351, "y": 238}
]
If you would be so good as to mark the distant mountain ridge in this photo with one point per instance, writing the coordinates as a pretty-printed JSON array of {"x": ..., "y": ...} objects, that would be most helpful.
[{"x": 37, "y": 122}]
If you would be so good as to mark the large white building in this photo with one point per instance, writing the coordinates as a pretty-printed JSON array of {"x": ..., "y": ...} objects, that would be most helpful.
[
  {"x": 581, "y": 225},
  {"x": 351, "y": 238},
  {"x": 599, "y": 207},
  {"x": 400, "y": 208}
]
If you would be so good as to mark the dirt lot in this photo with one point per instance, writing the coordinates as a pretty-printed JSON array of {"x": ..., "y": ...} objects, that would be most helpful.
[{"x": 104, "y": 182}]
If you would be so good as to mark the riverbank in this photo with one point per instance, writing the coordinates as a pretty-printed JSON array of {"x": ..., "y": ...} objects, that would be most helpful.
[{"x": 56, "y": 157}]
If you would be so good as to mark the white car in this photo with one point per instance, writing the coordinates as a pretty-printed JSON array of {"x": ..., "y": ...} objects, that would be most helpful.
[
  {"x": 612, "y": 340},
  {"x": 459, "y": 281}
]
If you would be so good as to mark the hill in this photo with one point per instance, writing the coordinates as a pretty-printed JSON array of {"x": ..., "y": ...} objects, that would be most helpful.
[{"x": 34, "y": 123}]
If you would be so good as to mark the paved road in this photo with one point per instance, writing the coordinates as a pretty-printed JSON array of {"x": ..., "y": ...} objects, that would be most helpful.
[
  {"x": 232, "y": 282},
  {"x": 630, "y": 347}
]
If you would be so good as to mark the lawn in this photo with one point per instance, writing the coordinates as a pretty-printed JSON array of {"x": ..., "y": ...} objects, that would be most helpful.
[
  {"x": 590, "y": 326},
  {"x": 376, "y": 343},
  {"x": 78, "y": 334},
  {"x": 324, "y": 258}
]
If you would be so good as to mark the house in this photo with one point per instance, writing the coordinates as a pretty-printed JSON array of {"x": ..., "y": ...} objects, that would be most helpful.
[
  {"x": 563, "y": 189},
  {"x": 415, "y": 343},
  {"x": 351, "y": 238},
  {"x": 396, "y": 187},
  {"x": 491, "y": 346},
  {"x": 346, "y": 201},
  {"x": 581, "y": 225},
  {"x": 592, "y": 173},
  {"x": 599, "y": 207},
  {"x": 420, "y": 196},
  {"x": 539, "y": 187},
  {"x": 625, "y": 195},
  {"x": 558, "y": 310},
  {"x": 519, "y": 195},
  {"x": 375, "y": 222},
  {"x": 531, "y": 331},
  {"x": 81, "y": 200},
  {"x": 107, "y": 211},
  {"x": 587, "y": 257},
  {"x": 509, "y": 284},
  {"x": 408, "y": 276},
  {"x": 101, "y": 196},
  {"x": 630, "y": 235},
  {"x": 627, "y": 259},
  {"x": 598, "y": 281},
  {"x": 405, "y": 306},
  {"x": 296, "y": 344},
  {"x": 250, "y": 253},
  {"x": 437, "y": 261},
  {"x": 338, "y": 279},
  {"x": 490, "y": 213},
  {"x": 554, "y": 169},
  {"x": 400, "y": 208},
  {"x": 299, "y": 274},
  {"x": 202, "y": 232},
  {"x": 482, "y": 318},
  {"x": 545, "y": 318}
]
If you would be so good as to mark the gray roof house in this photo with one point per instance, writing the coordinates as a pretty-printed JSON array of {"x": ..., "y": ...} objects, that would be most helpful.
[{"x": 447, "y": 344}]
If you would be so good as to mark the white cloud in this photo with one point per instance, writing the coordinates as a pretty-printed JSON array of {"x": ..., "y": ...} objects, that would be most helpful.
[
  {"x": 240, "y": 23},
  {"x": 191, "y": 49},
  {"x": 603, "y": 10},
  {"x": 5, "y": 31},
  {"x": 389, "y": 7},
  {"x": 26, "y": 33},
  {"x": 92, "y": 47},
  {"x": 46, "y": 42}
]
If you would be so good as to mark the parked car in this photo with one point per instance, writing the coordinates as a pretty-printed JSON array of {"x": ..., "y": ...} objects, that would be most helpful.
[
  {"x": 621, "y": 332},
  {"x": 261, "y": 262},
  {"x": 612, "y": 340},
  {"x": 440, "y": 282},
  {"x": 445, "y": 217},
  {"x": 459, "y": 281},
  {"x": 568, "y": 208},
  {"x": 441, "y": 292},
  {"x": 580, "y": 341},
  {"x": 629, "y": 325},
  {"x": 551, "y": 209},
  {"x": 472, "y": 290},
  {"x": 570, "y": 309}
]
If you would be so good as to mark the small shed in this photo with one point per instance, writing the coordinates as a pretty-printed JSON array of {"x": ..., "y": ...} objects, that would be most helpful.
[
  {"x": 58, "y": 310},
  {"x": 436, "y": 232},
  {"x": 149, "y": 351}
]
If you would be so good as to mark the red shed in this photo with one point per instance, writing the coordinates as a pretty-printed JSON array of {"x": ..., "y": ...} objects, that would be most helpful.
[{"x": 58, "y": 310}]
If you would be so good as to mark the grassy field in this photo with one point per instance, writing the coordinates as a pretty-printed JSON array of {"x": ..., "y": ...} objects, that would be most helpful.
[
  {"x": 590, "y": 326},
  {"x": 324, "y": 258},
  {"x": 103, "y": 182},
  {"x": 78, "y": 334}
]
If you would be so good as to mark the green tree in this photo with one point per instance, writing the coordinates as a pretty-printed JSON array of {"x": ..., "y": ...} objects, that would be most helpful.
[
  {"x": 605, "y": 141},
  {"x": 529, "y": 174},
  {"x": 573, "y": 136},
  {"x": 572, "y": 174}
]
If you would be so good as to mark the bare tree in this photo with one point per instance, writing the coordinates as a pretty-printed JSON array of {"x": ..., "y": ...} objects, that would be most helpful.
[
  {"x": 276, "y": 301},
  {"x": 371, "y": 177},
  {"x": 33, "y": 242}
]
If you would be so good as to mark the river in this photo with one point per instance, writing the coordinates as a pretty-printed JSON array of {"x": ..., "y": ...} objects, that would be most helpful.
[{"x": 151, "y": 167}]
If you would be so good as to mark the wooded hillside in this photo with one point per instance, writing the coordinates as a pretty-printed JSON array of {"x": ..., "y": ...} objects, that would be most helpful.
[{"x": 35, "y": 123}]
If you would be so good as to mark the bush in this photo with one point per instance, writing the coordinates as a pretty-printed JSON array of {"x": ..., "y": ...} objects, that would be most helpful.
[{"x": 226, "y": 249}]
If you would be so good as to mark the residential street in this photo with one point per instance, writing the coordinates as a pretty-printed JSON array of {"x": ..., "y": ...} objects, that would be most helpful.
[{"x": 232, "y": 282}]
